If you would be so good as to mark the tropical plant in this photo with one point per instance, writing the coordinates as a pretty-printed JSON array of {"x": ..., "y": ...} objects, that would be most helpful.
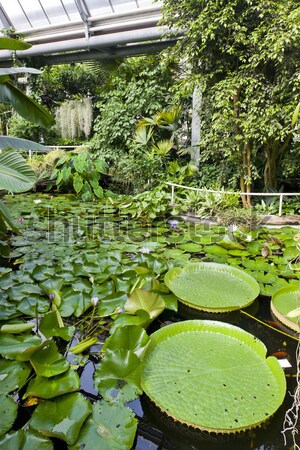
[
  {"x": 74, "y": 118},
  {"x": 78, "y": 171},
  {"x": 247, "y": 70}
]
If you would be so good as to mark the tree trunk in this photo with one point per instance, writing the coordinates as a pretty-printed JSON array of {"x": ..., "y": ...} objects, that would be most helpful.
[{"x": 273, "y": 153}]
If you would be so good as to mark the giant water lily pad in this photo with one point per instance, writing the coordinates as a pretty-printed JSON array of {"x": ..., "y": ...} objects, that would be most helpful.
[
  {"x": 285, "y": 301},
  {"x": 212, "y": 287},
  {"x": 212, "y": 376}
]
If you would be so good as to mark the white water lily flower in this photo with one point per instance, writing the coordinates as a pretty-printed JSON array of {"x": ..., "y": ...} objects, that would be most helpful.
[
  {"x": 145, "y": 250},
  {"x": 94, "y": 301},
  {"x": 37, "y": 201},
  {"x": 249, "y": 238}
]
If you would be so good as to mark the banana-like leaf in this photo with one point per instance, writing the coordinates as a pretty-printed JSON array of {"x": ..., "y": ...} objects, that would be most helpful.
[
  {"x": 20, "y": 144},
  {"x": 212, "y": 375},
  {"x": 15, "y": 174},
  {"x": 7, "y": 43},
  {"x": 14, "y": 70},
  {"x": 5, "y": 215},
  {"x": 25, "y": 106}
]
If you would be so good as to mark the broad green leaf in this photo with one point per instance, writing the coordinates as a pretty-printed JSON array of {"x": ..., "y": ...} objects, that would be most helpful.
[
  {"x": 111, "y": 303},
  {"x": 7, "y": 43},
  {"x": 24, "y": 105},
  {"x": 5, "y": 215},
  {"x": 245, "y": 388},
  {"x": 212, "y": 286},
  {"x": 62, "y": 417},
  {"x": 8, "y": 413},
  {"x": 77, "y": 183},
  {"x": 132, "y": 338},
  {"x": 47, "y": 361},
  {"x": 112, "y": 426},
  {"x": 118, "y": 376},
  {"x": 148, "y": 301},
  {"x": 215, "y": 250},
  {"x": 25, "y": 440},
  {"x": 13, "y": 375},
  {"x": 140, "y": 318},
  {"x": 15, "y": 347},
  {"x": 284, "y": 301},
  {"x": 74, "y": 303},
  {"x": 53, "y": 387},
  {"x": 50, "y": 327},
  {"x": 15, "y": 174}
]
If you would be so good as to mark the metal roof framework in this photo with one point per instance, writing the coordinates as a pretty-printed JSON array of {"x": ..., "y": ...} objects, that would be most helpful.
[{"x": 64, "y": 31}]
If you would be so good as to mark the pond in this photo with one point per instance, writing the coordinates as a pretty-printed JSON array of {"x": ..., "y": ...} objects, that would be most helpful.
[{"x": 72, "y": 254}]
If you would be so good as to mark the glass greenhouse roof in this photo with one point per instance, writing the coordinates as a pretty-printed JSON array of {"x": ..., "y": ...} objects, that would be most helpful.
[{"x": 86, "y": 28}]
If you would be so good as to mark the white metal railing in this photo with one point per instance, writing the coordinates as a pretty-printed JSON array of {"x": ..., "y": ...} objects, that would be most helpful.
[{"x": 257, "y": 194}]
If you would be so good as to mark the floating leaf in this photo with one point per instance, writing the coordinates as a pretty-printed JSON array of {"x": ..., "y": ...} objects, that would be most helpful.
[
  {"x": 13, "y": 375},
  {"x": 25, "y": 440},
  {"x": 218, "y": 370},
  {"x": 53, "y": 387},
  {"x": 49, "y": 326},
  {"x": 118, "y": 376},
  {"x": 284, "y": 301},
  {"x": 47, "y": 361},
  {"x": 212, "y": 287},
  {"x": 15, "y": 347},
  {"x": 62, "y": 418},
  {"x": 130, "y": 337},
  {"x": 148, "y": 301},
  {"x": 112, "y": 426},
  {"x": 8, "y": 413}
]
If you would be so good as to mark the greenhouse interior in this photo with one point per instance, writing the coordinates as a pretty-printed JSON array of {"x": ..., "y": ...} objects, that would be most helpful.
[{"x": 149, "y": 225}]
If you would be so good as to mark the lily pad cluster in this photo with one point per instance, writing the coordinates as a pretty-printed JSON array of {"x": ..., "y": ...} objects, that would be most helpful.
[{"x": 84, "y": 281}]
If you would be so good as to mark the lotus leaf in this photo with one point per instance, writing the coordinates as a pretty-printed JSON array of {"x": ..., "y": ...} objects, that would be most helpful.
[
  {"x": 212, "y": 376},
  {"x": 53, "y": 387},
  {"x": 112, "y": 426},
  {"x": 118, "y": 375},
  {"x": 8, "y": 413},
  {"x": 212, "y": 287},
  {"x": 62, "y": 417},
  {"x": 25, "y": 440},
  {"x": 13, "y": 375},
  {"x": 285, "y": 300}
]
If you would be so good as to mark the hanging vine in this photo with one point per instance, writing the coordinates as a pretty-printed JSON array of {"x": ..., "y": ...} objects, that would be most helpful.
[{"x": 74, "y": 118}]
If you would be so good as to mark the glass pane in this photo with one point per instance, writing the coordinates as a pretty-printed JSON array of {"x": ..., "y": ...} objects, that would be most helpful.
[
  {"x": 99, "y": 7},
  {"x": 61, "y": 11},
  {"x": 15, "y": 14}
]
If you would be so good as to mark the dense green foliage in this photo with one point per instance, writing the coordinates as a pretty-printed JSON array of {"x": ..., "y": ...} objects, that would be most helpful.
[{"x": 244, "y": 55}]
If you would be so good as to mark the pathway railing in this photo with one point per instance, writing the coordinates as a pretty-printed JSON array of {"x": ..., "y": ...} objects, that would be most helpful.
[{"x": 281, "y": 195}]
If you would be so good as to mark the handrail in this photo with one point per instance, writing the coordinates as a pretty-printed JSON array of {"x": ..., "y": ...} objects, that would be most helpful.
[{"x": 258, "y": 194}]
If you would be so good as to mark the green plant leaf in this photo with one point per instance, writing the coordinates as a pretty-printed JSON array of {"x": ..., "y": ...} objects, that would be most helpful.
[
  {"x": 5, "y": 215},
  {"x": 118, "y": 376},
  {"x": 53, "y": 387},
  {"x": 77, "y": 183},
  {"x": 244, "y": 387},
  {"x": 15, "y": 174},
  {"x": 7, "y": 43},
  {"x": 284, "y": 301},
  {"x": 130, "y": 337},
  {"x": 62, "y": 418},
  {"x": 13, "y": 375},
  {"x": 47, "y": 361},
  {"x": 16, "y": 347},
  {"x": 8, "y": 413},
  {"x": 25, "y": 440},
  {"x": 212, "y": 286},
  {"x": 50, "y": 327},
  {"x": 112, "y": 426},
  {"x": 24, "y": 105},
  {"x": 148, "y": 301}
]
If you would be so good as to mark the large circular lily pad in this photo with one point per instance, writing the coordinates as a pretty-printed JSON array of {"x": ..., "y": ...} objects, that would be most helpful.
[
  {"x": 212, "y": 376},
  {"x": 284, "y": 301},
  {"x": 212, "y": 287}
]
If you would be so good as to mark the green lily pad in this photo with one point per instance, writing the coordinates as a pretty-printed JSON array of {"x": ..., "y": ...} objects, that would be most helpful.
[
  {"x": 49, "y": 326},
  {"x": 118, "y": 375},
  {"x": 16, "y": 347},
  {"x": 129, "y": 337},
  {"x": 141, "y": 299},
  {"x": 8, "y": 413},
  {"x": 13, "y": 375},
  {"x": 47, "y": 361},
  {"x": 212, "y": 376},
  {"x": 25, "y": 440},
  {"x": 212, "y": 287},
  {"x": 112, "y": 426},
  {"x": 284, "y": 301},
  {"x": 62, "y": 418},
  {"x": 53, "y": 387}
]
